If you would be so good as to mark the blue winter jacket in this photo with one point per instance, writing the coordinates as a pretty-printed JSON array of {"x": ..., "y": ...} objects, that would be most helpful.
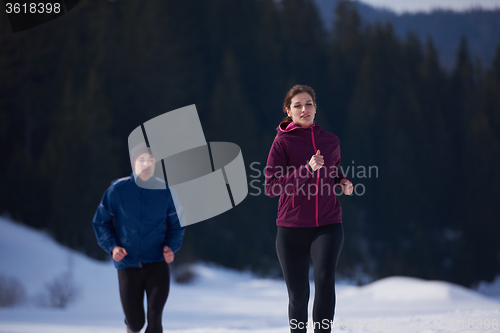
[{"x": 140, "y": 220}]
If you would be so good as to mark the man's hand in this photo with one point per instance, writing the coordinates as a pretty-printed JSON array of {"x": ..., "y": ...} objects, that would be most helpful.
[
  {"x": 346, "y": 186},
  {"x": 119, "y": 253},
  {"x": 168, "y": 254}
]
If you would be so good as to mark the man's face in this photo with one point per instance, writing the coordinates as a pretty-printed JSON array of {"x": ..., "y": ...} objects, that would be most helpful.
[{"x": 144, "y": 166}]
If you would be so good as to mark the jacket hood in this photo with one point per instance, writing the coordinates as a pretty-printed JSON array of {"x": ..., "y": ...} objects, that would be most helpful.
[{"x": 289, "y": 126}]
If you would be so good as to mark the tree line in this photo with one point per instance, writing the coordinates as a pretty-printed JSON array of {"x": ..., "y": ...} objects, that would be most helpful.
[{"x": 73, "y": 89}]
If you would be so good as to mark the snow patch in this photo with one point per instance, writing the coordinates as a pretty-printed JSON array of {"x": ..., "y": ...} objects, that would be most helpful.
[{"x": 222, "y": 300}]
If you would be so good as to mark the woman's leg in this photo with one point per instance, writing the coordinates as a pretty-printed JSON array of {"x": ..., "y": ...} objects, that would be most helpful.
[
  {"x": 325, "y": 251},
  {"x": 157, "y": 285},
  {"x": 132, "y": 297},
  {"x": 292, "y": 247}
]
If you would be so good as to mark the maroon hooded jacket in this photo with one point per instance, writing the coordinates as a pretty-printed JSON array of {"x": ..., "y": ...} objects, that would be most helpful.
[{"x": 307, "y": 199}]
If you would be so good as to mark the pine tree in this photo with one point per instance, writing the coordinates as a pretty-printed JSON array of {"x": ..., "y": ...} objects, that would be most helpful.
[
  {"x": 303, "y": 39},
  {"x": 346, "y": 49}
]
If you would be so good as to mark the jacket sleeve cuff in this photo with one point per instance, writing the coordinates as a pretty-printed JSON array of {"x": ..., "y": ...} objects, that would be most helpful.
[
  {"x": 309, "y": 169},
  {"x": 111, "y": 246},
  {"x": 337, "y": 183}
]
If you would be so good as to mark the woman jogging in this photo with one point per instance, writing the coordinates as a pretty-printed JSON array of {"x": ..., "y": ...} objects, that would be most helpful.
[{"x": 303, "y": 169}]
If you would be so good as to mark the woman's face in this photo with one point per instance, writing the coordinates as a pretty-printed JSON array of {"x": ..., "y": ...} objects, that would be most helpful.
[{"x": 302, "y": 109}]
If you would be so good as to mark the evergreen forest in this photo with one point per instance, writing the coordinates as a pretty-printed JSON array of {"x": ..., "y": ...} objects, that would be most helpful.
[{"x": 421, "y": 143}]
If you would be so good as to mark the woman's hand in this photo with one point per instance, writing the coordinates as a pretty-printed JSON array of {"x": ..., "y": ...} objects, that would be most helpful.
[
  {"x": 168, "y": 254},
  {"x": 346, "y": 186},
  {"x": 119, "y": 253},
  {"x": 316, "y": 161}
]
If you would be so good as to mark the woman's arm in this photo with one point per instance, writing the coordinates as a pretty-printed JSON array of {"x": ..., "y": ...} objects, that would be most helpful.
[
  {"x": 278, "y": 178},
  {"x": 341, "y": 180}
]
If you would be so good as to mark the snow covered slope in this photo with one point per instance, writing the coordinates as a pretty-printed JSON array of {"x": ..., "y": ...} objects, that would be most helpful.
[{"x": 224, "y": 301}]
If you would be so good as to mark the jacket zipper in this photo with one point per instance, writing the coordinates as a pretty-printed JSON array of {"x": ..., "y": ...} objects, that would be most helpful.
[{"x": 317, "y": 178}]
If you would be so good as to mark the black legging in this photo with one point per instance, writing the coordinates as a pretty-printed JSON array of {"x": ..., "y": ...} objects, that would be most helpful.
[
  {"x": 154, "y": 279},
  {"x": 296, "y": 247}
]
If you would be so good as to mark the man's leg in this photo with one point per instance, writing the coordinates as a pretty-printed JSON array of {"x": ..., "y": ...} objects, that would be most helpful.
[
  {"x": 157, "y": 285},
  {"x": 132, "y": 297}
]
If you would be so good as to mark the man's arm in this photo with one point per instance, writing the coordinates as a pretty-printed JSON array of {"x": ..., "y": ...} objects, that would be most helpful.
[
  {"x": 175, "y": 223},
  {"x": 103, "y": 223}
]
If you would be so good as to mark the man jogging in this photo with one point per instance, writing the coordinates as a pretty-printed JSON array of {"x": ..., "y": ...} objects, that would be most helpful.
[{"x": 138, "y": 224}]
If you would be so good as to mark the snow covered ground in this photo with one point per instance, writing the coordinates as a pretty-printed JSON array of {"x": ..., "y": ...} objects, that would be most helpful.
[{"x": 224, "y": 301}]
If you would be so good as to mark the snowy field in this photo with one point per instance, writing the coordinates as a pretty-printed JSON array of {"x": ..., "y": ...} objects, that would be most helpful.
[{"x": 220, "y": 300}]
